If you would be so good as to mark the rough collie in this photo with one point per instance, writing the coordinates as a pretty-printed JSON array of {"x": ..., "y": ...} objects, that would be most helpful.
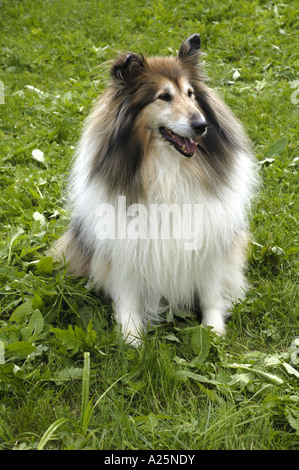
[{"x": 160, "y": 144}]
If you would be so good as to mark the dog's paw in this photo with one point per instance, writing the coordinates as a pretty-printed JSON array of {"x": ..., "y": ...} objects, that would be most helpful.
[
  {"x": 133, "y": 340},
  {"x": 215, "y": 319}
]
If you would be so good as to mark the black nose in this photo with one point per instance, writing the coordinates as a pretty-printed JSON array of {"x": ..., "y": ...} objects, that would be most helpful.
[{"x": 199, "y": 126}]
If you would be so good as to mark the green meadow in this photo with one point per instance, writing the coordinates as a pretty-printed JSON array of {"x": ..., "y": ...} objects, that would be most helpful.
[{"x": 67, "y": 379}]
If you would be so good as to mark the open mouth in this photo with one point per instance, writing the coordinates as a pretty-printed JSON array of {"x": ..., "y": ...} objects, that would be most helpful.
[{"x": 185, "y": 145}]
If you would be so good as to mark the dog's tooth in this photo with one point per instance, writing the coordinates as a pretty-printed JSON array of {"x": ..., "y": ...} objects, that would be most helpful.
[{"x": 184, "y": 148}]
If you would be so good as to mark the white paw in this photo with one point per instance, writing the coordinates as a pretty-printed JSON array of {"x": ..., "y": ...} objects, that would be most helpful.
[
  {"x": 214, "y": 318},
  {"x": 133, "y": 339},
  {"x": 219, "y": 330}
]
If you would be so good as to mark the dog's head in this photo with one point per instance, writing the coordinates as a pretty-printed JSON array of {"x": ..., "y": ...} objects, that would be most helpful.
[
  {"x": 161, "y": 91},
  {"x": 160, "y": 103}
]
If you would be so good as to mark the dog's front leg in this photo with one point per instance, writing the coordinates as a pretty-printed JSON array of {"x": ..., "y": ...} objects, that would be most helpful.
[
  {"x": 212, "y": 302},
  {"x": 214, "y": 316},
  {"x": 128, "y": 312}
]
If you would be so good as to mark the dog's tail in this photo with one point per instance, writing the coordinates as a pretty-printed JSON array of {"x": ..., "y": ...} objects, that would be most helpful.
[{"x": 67, "y": 252}]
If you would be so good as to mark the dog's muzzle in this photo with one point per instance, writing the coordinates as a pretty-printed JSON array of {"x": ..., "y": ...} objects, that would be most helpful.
[{"x": 185, "y": 145}]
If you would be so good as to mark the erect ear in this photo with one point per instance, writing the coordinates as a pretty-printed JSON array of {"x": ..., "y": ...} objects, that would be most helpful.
[
  {"x": 189, "y": 49},
  {"x": 127, "y": 67}
]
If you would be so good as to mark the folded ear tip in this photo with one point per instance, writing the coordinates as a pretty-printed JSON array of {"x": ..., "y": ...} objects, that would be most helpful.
[
  {"x": 122, "y": 66},
  {"x": 194, "y": 41},
  {"x": 128, "y": 59},
  {"x": 190, "y": 47}
]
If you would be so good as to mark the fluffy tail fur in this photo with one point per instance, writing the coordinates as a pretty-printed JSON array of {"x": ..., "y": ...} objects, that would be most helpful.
[{"x": 67, "y": 251}]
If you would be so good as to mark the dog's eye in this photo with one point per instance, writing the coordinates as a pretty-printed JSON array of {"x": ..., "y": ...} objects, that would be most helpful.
[
  {"x": 165, "y": 97},
  {"x": 190, "y": 93}
]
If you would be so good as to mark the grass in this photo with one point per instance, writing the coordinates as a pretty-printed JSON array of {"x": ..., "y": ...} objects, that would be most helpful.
[{"x": 67, "y": 380}]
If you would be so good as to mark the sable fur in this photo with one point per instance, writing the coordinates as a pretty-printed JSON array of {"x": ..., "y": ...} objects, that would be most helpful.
[{"x": 122, "y": 153}]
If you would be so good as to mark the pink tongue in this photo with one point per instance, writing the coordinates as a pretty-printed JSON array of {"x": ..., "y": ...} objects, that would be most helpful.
[{"x": 190, "y": 146}]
